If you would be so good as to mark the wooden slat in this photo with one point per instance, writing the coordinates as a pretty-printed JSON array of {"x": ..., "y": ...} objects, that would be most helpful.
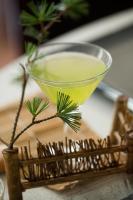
[
  {"x": 74, "y": 155},
  {"x": 79, "y": 176}
]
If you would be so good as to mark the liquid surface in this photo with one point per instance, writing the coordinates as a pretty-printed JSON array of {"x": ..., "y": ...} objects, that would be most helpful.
[{"x": 75, "y": 74}]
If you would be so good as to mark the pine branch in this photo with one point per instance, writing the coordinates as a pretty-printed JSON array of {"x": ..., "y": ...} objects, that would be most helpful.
[{"x": 66, "y": 110}]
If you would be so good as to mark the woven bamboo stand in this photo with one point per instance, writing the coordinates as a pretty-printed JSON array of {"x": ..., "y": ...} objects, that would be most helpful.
[{"x": 72, "y": 160}]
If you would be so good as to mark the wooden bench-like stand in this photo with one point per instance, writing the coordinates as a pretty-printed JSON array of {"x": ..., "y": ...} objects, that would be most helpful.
[{"x": 58, "y": 162}]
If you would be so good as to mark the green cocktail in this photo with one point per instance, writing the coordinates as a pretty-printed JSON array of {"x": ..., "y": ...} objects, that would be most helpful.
[{"x": 71, "y": 71}]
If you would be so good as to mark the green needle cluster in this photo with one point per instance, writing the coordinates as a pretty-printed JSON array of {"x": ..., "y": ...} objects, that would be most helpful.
[{"x": 38, "y": 18}]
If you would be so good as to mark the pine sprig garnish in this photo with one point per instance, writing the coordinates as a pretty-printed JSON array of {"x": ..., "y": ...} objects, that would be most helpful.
[
  {"x": 68, "y": 111},
  {"x": 36, "y": 106}
]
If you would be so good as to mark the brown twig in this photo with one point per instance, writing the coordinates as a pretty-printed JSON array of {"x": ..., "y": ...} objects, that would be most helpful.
[{"x": 19, "y": 107}]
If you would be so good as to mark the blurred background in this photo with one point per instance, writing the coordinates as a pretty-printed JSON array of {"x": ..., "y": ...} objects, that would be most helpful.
[{"x": 12, "y": 38}]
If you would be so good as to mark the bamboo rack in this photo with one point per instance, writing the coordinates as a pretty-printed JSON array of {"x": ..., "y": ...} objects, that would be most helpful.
[{"x": 57, "y": 162}]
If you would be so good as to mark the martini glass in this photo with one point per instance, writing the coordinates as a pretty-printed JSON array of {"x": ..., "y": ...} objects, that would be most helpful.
[{"x": 74, "y": 69}]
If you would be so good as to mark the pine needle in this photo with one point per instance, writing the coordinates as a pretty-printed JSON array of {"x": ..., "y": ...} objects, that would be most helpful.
[{"x": 68, "y": 111}]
